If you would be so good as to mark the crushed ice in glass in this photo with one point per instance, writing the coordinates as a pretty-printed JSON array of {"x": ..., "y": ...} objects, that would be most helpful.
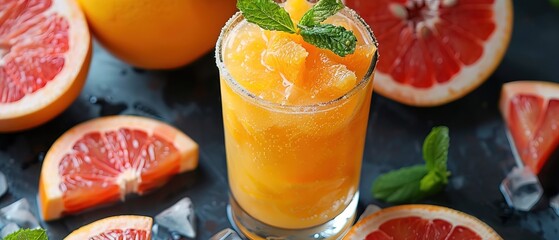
[
  {"x": 226, "y": 234},
  {"x": 521, "y": 189},
  {"x": 179, "y": 219},
  {"x": 368, "y": 211},
  {"x": 15, "y": 216},
  {"x": 554, "y": 203}
]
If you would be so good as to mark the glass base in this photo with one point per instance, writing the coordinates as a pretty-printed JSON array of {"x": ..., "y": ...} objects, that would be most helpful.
[{"x": 256, "y": 230}]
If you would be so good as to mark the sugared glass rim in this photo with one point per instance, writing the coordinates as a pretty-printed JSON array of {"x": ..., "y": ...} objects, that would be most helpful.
[{"x": 238, "y": 18}]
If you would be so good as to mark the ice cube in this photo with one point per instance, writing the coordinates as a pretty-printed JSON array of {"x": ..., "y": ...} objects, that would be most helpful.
[
  {"x": 19, "y": 213},
  {"x": 3, "y": 184},
  {"x": 179, "y": 218},
  {"x": 8, "y": 229},
  {"x": 368, "y": 211},
  {"x": 226, "y": 234},
  {"x": 521, "y": 189},
  {"x": 162, "y": 233},
  {"x": 554, "y": 203}
]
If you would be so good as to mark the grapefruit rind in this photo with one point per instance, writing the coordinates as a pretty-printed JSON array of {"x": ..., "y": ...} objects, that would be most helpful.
[
  {"x": 373, "y": 221},
  {"x": 466, "y": 80},
  {"x": 50, "y": 195},
  {"x": 44, "y": 104},
  {"x": 117, "y": 222},
  {"x": 545, "y": 90}
]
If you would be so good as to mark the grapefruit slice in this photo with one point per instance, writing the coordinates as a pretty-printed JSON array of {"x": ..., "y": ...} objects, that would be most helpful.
[
  {"x": 45, "y": 52},
  {"x": 421, "y": 222},
  {"x": 103, "y": 160},
  {"x": 434, "y": 52},
  {"x": 531, "y": 111},
  {"x": 119, "y": 227}
]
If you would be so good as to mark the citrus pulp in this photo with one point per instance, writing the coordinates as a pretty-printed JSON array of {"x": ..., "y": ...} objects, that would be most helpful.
[
  {"x": 434, "y": 52},
  {"x": 531, "y": 111},
  {"x": 119, "y": 227},
  {"x": 102, "y": 160},
  {"x": 44, "y": 58},
  {"x": 421, "y": 222}
]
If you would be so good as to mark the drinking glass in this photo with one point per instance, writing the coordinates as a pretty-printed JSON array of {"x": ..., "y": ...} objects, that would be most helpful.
[{"x": 294, "y": 169}]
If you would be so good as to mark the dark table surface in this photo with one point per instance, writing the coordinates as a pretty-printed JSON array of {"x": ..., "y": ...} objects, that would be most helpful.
[{"x": 189, "y": 99}]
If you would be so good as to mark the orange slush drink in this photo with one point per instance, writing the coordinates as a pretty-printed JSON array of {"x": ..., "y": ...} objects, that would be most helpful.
[{"x": 295, "y": 119}]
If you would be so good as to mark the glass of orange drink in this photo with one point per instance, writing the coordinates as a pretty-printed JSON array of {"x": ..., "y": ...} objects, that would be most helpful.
[{"x": 295, "y": 119}]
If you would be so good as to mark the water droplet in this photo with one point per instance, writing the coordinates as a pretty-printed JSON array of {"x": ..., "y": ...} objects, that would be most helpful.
[{"x": 93, "y": 99}]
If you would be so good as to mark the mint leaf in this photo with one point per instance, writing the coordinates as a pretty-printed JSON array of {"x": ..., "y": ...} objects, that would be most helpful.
[
  {"x": 414, "y": 183},
  {"x": 555, "y": 3},
  {"x": 335, "y": 38},
  {"x": 28, "y": 234},
  {"x": 435, "y": 150},
  {"x": 320, "y": 12},
  {"x": 431, "y": 181},
  {"x": 266, "y": 14},
  {"x": 270, "y": 16},
  {"x": 400, "y": 185}
]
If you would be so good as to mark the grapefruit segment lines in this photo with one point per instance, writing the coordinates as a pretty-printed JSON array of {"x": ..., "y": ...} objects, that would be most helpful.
[
  {"x": 44, "y": 58},
  {"x": 465, "y": 41},
  {"x": 420, "y": 222},
  {"x": 34, "y": 46},
  {"x": 103, "y": 160},
  {"x": 118, "y": 227},
  {"x": 446, "y": 64},
  {"x": 464, "y": 47},
  {"x": 438, "y": 230},
  {"x": 531, "y": 111}
]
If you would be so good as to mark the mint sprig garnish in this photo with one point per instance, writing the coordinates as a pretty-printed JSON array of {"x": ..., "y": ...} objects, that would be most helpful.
[
  {"x": 270, "y": 16},
  {"x": 435, "y": 152},
  {"x": 327, "y": 36},
  {"x": 400, "y": 185},
  {"x": 28, "y": 234},
  {"x": 267, "y": 14},
  {"x": 410, "y": 184},
  {"x": 320, "y": 12}
]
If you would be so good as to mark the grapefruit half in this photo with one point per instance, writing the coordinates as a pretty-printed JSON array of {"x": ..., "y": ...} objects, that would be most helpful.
[
  {"x": 103, "y": 160},
  {"x": 421, "y": 222},
  {"x": 119, "y": 227},
  {"x": 45, "y": 52},
  {"x": 434, "y": 52},
  {"x": 531, "y": 111}
]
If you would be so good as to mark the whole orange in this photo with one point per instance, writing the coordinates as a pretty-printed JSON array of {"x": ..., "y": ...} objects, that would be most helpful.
[{"x": 158, "y": 34}]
